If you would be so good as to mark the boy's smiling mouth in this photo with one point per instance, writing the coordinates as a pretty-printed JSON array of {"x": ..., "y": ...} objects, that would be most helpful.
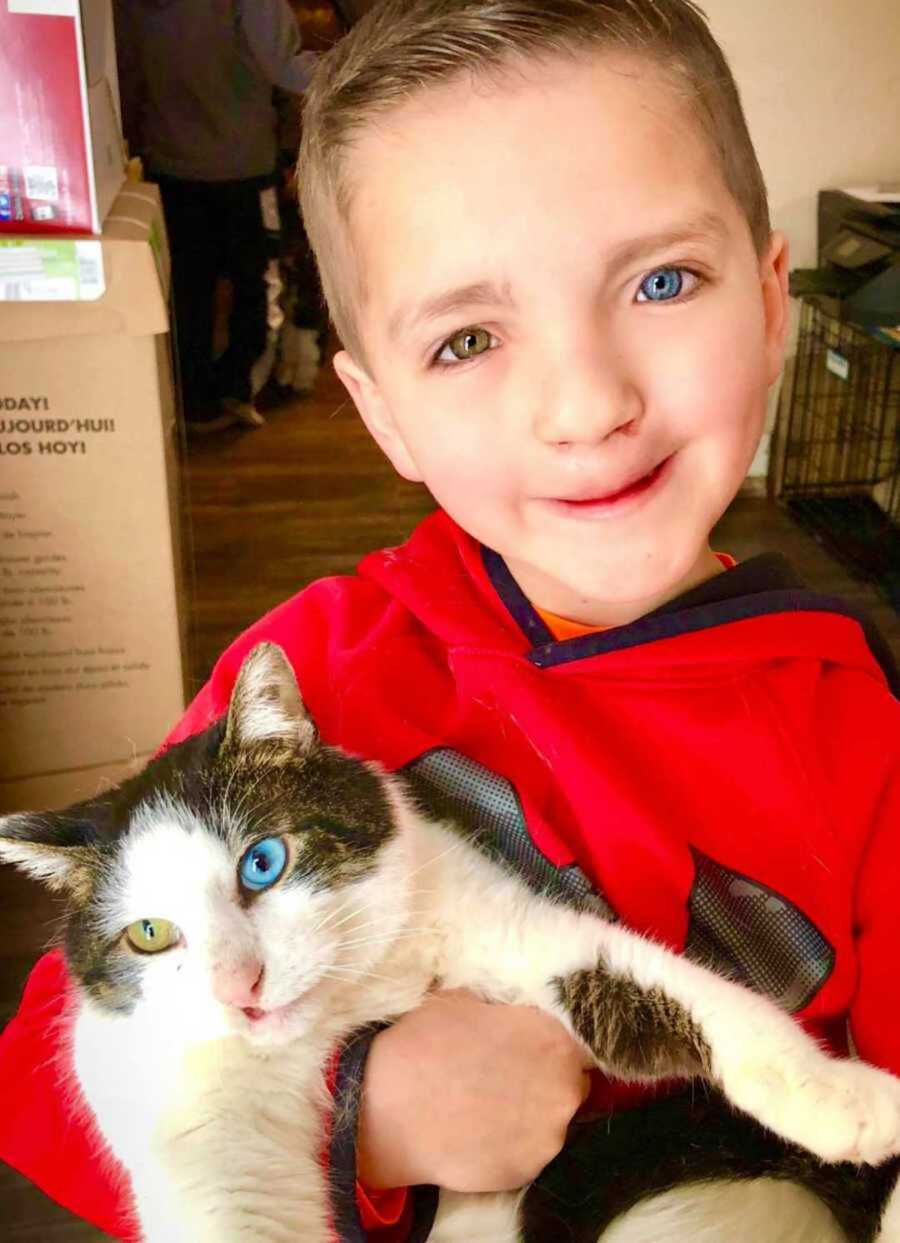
[{"x": 601, "y": 504}]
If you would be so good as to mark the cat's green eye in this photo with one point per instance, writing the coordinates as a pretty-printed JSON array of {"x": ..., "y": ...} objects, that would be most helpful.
[{"x": 152, "y": 936}]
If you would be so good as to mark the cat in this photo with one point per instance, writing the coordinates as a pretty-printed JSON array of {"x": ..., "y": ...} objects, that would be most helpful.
[{"x": 254, "y": 897}]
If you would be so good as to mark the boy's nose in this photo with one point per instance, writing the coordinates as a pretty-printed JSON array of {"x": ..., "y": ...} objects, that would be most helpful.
[
  {"x": 585, "y": 404},
  {"x": 238, "y": 984}
]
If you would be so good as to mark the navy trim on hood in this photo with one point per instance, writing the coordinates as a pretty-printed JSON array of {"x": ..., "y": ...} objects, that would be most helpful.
[
  {"x": 759, "y": 586},
  {"x": 342, "y": 1150},
  {"x": 519, "y": 607},
  {"x": 704, "y": 617}
]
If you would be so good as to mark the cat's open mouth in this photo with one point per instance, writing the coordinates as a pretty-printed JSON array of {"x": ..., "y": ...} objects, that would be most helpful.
[
  {"x": 265, "y": 1021},
  {"x": 257, "y": 1015}
]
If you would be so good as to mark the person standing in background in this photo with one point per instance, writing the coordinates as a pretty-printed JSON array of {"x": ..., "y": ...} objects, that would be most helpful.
[{"x": 197, "y": 78}]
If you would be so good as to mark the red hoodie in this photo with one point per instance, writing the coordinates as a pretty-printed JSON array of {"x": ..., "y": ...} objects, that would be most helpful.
[{"x": 723, "y": 774}]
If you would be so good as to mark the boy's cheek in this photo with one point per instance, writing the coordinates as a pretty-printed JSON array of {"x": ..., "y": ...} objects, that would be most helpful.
[
  {"x": 701, "y": 395},
  {"x": 725, "y": 367}
]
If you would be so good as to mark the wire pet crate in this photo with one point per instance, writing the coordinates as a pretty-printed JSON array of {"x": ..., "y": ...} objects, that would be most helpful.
[{"x": 838, "y": 469}]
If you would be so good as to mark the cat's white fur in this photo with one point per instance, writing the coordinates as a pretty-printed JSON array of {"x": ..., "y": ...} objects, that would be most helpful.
[
  {"x": 758, "y": 1211},
  {"x": 890, "y": 1222},
  {"x": 219, "y": 1120}
]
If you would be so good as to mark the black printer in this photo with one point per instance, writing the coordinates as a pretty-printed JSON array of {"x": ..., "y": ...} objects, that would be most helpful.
[{"x": 859, "y": 260}]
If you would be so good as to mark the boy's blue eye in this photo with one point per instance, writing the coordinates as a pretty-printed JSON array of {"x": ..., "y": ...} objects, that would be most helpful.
[
  {"x": 662, "y": 285},
  {"x": 263, "y": 863}
]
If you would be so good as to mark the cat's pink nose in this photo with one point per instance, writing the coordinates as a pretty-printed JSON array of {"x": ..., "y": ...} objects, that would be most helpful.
[{"x": 238, "y": 984}]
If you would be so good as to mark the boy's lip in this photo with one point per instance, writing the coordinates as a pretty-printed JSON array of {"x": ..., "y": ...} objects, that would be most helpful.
[{"x": 634, "y": 488}]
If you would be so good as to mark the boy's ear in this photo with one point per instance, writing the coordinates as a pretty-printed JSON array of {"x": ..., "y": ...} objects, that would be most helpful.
[
  {"x": 375, "y": 413},
  {"x": 773, "y": 270},
  {"x": 56, "y": 848}
]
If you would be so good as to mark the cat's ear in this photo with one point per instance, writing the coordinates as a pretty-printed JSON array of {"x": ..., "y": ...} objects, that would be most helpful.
[
  {"x": 266, "y": 705},
  {"x": 56, "y": 848}
]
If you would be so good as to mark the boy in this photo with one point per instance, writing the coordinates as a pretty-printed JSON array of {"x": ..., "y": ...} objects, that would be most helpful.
[{"x": 544, "y": 240}]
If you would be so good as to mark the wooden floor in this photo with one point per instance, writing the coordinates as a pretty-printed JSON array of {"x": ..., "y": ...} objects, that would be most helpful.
[{"x": 271, "y": 510}]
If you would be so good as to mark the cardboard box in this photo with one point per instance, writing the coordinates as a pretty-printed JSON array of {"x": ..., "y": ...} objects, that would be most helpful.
[
  {"x": 91, "y": 634},
  {"x": 62, "y": 158}
]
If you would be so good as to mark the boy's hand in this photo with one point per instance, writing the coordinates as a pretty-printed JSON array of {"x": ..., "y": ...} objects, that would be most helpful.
[{"x": 468, "y": 1095}]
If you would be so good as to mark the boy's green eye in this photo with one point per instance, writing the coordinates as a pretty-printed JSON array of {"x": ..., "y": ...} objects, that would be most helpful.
[
  {"x": 468, "y": 343},
  {"x": 152, "y": 936}
]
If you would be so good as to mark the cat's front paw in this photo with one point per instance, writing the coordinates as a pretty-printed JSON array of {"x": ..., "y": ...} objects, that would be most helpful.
[{"x": 841, "y": 1110}]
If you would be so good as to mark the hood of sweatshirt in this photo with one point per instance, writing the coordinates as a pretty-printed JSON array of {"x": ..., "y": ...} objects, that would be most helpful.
[{"x": 756, "y": 613}]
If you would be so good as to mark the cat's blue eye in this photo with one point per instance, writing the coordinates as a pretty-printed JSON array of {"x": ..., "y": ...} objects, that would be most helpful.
[
  {"x": 663, "y": 285},
  {"x": 263, "y": 863}
]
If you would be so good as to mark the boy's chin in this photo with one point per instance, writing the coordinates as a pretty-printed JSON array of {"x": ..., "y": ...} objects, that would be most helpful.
[{"x": 619, "y": 589}]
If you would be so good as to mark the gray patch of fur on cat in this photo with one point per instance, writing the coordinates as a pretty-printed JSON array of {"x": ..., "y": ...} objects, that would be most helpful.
[{"x": 636, "y": 1031}]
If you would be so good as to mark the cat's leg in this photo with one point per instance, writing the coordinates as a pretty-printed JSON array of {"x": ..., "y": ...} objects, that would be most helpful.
[
  {"x": 890, "y": 1222},
  {"x": 124, "y": 1077},
  {"x": 241, "y": 1144},
  {"x": 466, "y": 1218},
  {"x": 748, "y": 1211},
  {"x": 176, "y": 1197},
  {"x": 159, "y": 1210},
  {"x": 646, "y": 1013},
  {"x": 221, "y": 1142}
]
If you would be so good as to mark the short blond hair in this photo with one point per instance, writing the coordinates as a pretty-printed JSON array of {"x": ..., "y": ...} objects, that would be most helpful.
[{"x": 403, "y": 47}]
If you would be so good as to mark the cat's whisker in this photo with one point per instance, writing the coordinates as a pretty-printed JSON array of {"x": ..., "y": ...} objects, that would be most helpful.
[
  {"x": 384, "y": 938},
  {"x": 235, "y": 812},
  {"x": 56, "y": 925},
  {"x": 387, "y": 935},
  {"x": 376, "y": 922},
  {"x": 332, "y": 914},
  {"x": 390, "y": 933},
  {"x": 226, "y": 796},
  {"x": 345, "y": 974},
  {"x": 329, "y": 921},
  {"x": 347, "y": 968},
  {"x": 238, "y": 811},
  {"x": 432, "y": 859}
]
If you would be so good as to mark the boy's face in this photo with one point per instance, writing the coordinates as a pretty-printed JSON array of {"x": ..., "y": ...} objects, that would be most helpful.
[{"x": 569, "y": 335}]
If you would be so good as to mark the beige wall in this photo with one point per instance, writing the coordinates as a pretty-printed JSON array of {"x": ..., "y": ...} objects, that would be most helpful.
[{"x": 820, "y": 81}]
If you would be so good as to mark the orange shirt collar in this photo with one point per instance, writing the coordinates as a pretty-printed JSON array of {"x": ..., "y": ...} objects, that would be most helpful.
[{"x": 562, "y": 628}]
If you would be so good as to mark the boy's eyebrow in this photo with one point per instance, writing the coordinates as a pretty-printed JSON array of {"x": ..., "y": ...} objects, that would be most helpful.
[
  {"x": 480, "y": 293},
  {"x": 703, "y": 228},
  {"x": 706, "y": 227}
]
